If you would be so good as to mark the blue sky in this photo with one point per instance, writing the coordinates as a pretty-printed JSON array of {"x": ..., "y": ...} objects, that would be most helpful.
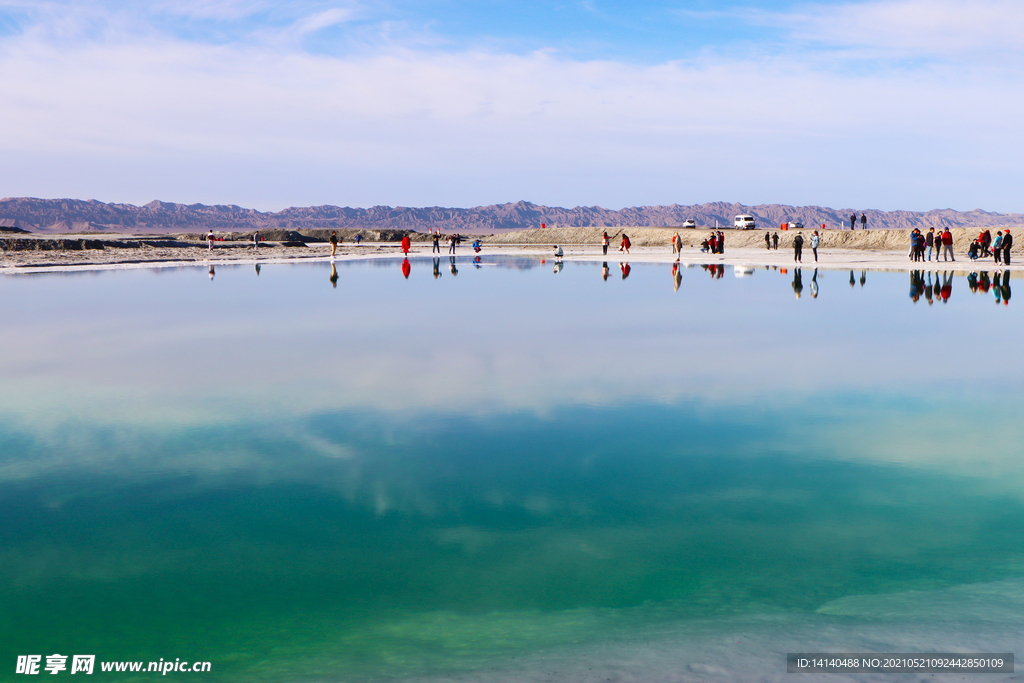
[{"x": 886, "y": 104}]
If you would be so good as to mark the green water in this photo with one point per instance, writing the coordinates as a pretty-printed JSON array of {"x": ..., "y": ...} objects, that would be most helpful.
[{"x": 240, "y": 508}]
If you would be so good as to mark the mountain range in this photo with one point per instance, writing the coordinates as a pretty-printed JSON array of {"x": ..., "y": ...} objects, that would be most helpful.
[{"x": 57, "y": 216}]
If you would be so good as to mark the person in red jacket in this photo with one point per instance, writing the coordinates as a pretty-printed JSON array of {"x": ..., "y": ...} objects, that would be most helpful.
[
  {"x": 626, "y": 244},
  {"x": 947, "y": 246},
  {"x": 405, "y": 244}
]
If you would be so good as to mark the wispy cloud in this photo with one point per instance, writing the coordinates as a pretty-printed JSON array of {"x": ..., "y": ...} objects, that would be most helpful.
[
  {"x": 897, "y": 28},
  {"x": 399, "y": 121}
]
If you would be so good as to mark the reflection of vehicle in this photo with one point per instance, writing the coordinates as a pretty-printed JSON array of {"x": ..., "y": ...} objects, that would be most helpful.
[
  {"x": 796, "y": 225},
  {"x": 689, "y": 223},
  {"x": 744, "y": 222},
  {"x": 743, "y": 271}
]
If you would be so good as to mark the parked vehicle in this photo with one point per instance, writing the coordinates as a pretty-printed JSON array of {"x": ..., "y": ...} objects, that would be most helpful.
[
  {"x": 744, "y": 222},
  {"x": 689, "y": 223},
  {"x": 796, "y": 225}
]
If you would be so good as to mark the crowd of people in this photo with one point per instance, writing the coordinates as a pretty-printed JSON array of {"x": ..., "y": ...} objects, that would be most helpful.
[{"x": 983, "y": 245}]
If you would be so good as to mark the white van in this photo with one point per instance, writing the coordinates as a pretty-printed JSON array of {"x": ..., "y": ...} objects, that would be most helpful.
[
  {"x": 744, "y": 222},
  {"x": 689, "y": 223}
]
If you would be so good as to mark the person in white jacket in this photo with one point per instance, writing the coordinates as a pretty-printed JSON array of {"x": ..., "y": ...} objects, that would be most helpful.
[{"x": 815, "y": 241}]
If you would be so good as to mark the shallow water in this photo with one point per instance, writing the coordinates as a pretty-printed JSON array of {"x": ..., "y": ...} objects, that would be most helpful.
[{"x": 515, "y": 472}]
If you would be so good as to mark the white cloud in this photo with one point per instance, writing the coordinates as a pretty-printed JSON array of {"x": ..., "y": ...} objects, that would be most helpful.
[
  {"x": 428, "y": 126},
  {"x": 908, "y": 28}
]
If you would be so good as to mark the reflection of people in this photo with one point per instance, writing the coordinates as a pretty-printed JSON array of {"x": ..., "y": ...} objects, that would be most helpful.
[
  {"x": 863, "y": 277},
  {"x": 334, "y": 242},
  {"x": 406, "y": 268},
  {"x": 677, "y": 276},
  {"x": 798, "y": 283},
  {"x": 437, "y": 266},
  {"x": 947, "y": 285},
  {"x": 853, "y": 283},
  {"x": 334, "y": 276},
  {"x": 451, "y": 266},
  {"x": 625, "y": 270},
  {"x": 406, "y": 244},
  {"x": 257, "y": 270},
  {"x": 814, "y": 284},
  {"x": 1006, "y": 287},
  {"x": 212, "y": 272},
  {"x": 557, "y": 268},
  {"x": 604, "y": 271}
]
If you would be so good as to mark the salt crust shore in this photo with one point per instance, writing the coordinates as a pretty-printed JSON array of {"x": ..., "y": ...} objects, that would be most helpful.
[{"x": 16, "y": 262}]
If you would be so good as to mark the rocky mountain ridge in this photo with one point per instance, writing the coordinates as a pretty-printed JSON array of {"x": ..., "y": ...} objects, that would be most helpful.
[{"x": 62, "y": 216}]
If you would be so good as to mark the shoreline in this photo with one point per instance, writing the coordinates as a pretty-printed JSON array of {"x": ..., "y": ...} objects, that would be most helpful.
[{"x": 131, "y": 258}]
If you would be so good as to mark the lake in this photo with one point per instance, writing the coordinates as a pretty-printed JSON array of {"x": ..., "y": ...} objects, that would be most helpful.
[{"x": 510, "y": 470}]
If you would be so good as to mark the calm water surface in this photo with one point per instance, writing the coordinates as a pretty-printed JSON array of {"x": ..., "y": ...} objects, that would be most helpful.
[{"x": 515, "y": 471}]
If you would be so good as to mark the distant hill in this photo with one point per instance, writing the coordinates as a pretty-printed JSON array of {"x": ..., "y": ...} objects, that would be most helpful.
[{"x": 75, "y": 215}]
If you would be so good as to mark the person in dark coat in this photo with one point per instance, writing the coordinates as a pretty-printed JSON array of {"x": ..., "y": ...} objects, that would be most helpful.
[
  {"x": 1007, "y": 243},
  {"x": 775, "y": 241},
  {"x": 798, "y": 247},
  {"x": 863, "y": 222},
  {"x": 853, "y": 221}
]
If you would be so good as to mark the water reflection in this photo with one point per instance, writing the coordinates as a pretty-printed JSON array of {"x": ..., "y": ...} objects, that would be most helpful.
[
  {"x": 625, "y": 270},
  {"x": 333, "y": 278},
  {"x": 406, "y": 268},
  {"x": 604, "y": 271},
  {"x": 798, "y": 283}
]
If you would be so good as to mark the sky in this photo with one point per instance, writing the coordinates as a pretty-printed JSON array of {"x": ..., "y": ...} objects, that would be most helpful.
[{"x": 886, "y": 104}]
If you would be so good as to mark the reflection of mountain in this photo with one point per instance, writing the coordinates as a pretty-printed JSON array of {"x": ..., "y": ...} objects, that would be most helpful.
[{"x": 72, "y": 215}]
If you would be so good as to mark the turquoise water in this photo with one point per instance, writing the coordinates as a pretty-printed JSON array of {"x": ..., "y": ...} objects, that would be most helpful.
[{"x": 516, "y": 472}]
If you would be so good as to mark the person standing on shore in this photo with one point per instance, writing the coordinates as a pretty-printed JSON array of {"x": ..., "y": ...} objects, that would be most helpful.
[
  {"x": 209, "y": 241},
  {"x": 256, "y": 240},
  {"x": 775, "y": 241},
  {"x": 605, "y": 241},
  {"x": 853, "y": 221},
  {"x": 1007, "y": 243},
  {"x": 767, "y": 240},
  {"x": 947, "y": 245},
  {"x": 863, "y": 221},
  {"x": 929, "y": 242},
  {"x": 625, "y": 245},
  {"x": 406, "y": 244},
  {"x": 451, "y": 244},
  {"x": 798, "y": 248},
  {"x": 997, "y": 248},
  {"x": 334, "y": 242},
  {"x": 815, "y": 241},
  {"x": 721, "y": 242},
  {"x": 437, "y": 243}
]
